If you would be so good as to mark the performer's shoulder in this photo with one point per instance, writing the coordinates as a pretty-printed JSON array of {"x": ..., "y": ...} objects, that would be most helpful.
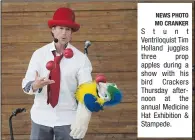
[{"x": 43, "y": 48}]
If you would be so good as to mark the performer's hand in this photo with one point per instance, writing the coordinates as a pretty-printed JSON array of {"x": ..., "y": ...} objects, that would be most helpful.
[
  {"x": 80, "y": 126},
  {"x": 41, "y": 82}
]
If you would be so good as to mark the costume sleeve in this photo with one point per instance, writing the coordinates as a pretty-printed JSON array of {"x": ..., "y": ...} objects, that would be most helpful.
[
  {"x": 84, "y": 73},
  {"x": 31, "y": 74},
  {"x": 80, "y": 126}
]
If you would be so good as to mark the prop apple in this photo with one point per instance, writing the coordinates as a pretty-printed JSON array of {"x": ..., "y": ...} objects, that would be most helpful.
[{"x": 68, "y": 53}]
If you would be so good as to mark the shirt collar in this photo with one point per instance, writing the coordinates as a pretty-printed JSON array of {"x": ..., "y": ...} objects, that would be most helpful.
[{"x": 53, "y": 48}]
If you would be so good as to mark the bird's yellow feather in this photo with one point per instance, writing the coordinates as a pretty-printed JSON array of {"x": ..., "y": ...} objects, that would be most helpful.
[{"x": 88, "y": 88}]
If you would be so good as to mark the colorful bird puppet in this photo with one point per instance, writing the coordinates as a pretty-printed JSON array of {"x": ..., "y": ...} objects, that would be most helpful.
[{"x": 98, "y": 93}]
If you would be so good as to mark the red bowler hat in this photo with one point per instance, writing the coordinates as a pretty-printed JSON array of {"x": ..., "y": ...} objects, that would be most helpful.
[{"x": 64, "y": 17}]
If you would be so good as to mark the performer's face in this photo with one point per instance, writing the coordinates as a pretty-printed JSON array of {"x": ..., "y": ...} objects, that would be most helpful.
[{"x": 63, "y": 34}]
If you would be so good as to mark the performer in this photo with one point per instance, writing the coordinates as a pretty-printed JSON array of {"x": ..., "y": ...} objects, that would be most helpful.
[{"x": 54, "y": 86}]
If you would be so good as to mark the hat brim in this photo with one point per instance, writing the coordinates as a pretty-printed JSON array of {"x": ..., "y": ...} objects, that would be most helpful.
[{"x": 75, "y": 27}]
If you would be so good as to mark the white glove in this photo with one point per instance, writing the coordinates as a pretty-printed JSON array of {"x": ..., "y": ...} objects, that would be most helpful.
[{"x": 80, "y": 126}]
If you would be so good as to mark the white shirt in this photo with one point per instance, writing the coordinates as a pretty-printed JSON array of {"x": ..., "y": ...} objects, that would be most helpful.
[{"x": 74, "y": 71}]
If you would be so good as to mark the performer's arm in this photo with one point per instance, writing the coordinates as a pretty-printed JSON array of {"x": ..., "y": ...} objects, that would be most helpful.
[
  {"x": 30, "y": 76},
  {"x": 84, "y": 73},
  {"x": 83, "y": 115}
]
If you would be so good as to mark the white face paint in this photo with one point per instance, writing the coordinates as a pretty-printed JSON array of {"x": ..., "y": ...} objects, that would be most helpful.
[{"x": 102, "y": 91}]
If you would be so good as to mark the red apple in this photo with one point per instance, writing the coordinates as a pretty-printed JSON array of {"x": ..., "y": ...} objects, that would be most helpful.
[
  {"x": 50, "y": 65},
  {"x": 68, "y": 53},
  {"x": 100, "y": 78}
]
